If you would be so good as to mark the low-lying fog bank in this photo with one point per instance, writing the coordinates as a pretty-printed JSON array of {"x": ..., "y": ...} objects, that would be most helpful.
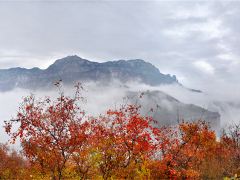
[{"x": 99, "y": 98}]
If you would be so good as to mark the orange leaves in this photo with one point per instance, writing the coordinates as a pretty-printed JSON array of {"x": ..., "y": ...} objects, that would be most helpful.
[{"x": 184, "y": 148}]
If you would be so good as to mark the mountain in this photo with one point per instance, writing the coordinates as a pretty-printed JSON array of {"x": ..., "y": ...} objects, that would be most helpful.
[
  {"x": 73, "y": 68},
  {"x": 168, "y": 111}
]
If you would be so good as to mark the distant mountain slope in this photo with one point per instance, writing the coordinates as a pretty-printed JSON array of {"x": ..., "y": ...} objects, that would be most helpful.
[
  {"x": 168, "y": 111},
  {"x": 73, "y": 68}
]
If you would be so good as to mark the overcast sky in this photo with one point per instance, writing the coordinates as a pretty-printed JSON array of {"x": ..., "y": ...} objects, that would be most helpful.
[{"x": 197, "y": 41}]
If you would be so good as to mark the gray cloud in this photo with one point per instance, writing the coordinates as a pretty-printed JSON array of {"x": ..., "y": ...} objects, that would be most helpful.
[{"x": 197, "y": 41}]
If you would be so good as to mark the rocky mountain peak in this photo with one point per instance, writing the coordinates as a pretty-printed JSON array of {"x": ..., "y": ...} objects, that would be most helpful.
[{"x": 74, "y": 68}]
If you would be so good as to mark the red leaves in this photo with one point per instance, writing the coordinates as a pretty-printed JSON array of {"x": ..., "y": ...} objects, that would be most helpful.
[
  {"x": 193, "y": 142},
  {"x": 121, "y": 144},
  {"x": 49, "y": 131}
]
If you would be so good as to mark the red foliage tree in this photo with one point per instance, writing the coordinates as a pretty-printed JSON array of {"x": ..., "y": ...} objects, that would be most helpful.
[
  {"x": 50, "y": 131},
  {"x": 123, "y": 139}
]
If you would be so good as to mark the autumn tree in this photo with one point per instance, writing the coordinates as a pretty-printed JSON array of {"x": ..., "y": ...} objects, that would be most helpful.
[
  {"x": 183, "y": 150},
  {"x": 230, "y": 141},
  {"x": 49, "y": 131},
  {"x": 123, "y": 141}
]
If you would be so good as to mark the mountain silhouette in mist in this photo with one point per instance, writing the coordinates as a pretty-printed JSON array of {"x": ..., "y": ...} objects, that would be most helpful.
[
  {"x": 167, "y": 110},
  {"x": 73, "y": 68}
]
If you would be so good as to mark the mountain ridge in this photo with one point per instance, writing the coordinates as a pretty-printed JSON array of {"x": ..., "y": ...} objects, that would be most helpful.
[{"x": 74, "y": 68}]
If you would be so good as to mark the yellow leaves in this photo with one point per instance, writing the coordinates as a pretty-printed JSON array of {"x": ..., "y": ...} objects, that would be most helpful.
[
  {"x": 192, "y": 174},
  {"x": 235, "y": 177}
]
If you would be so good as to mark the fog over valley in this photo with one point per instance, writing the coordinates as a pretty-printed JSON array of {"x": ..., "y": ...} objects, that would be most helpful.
[
  {"x": 114, "y": 83},
  {"x": 167, "y": 101}
]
